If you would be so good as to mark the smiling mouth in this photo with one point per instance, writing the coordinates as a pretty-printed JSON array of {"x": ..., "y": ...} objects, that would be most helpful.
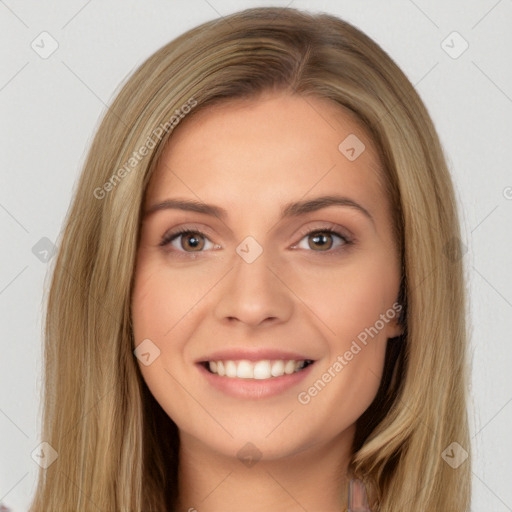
[{"x": 264, "y": 369}]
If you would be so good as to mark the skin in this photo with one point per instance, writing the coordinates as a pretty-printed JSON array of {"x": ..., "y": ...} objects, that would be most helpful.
[{"x": 251, "y": 157}]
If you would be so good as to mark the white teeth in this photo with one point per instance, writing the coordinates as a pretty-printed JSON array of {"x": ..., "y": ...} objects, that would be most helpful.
[
  {"x": 230, "y": 367},
  {"x": 244, "y": 370},
  {"x": 289, "y": 367},
  {"x": 261, "y": 370},
  {"x": 277, "y": 368}
]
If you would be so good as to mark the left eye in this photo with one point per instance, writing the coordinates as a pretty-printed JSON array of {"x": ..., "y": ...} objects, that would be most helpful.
[{"x": 322, "y": 239}]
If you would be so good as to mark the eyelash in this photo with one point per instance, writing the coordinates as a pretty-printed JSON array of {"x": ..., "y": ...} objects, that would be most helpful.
[{"x": 168, "y": 238}]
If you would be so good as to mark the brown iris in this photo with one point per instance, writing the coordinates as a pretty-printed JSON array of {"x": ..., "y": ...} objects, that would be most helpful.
[
  {"x": 195, "y": 241},
  {"x": 321, "y": 237}
]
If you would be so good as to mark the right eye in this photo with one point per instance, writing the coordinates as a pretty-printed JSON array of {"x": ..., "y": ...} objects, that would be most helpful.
[{"x": 185, "y": 239}]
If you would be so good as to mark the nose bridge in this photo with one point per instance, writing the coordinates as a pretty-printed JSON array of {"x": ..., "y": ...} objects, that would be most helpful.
[{"x": 253, "y": 292}]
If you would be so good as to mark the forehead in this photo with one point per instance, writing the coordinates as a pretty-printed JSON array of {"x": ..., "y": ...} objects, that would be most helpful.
[{"x": 277, "y": 146}]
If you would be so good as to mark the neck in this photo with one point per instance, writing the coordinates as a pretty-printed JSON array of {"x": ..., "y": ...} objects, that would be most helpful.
[{"x": 314, "y": 479}]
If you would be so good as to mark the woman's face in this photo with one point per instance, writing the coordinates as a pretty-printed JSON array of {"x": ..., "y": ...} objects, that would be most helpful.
[{"x": 259, "y": 281}]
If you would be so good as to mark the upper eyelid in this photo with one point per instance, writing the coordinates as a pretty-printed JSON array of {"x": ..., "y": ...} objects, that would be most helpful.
[{"x": 184, "y": 230}]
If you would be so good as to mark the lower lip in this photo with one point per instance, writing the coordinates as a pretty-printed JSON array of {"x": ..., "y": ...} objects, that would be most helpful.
[{"x": 254, "y": 388}]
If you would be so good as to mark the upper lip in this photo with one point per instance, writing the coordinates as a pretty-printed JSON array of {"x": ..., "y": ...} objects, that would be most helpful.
[{"x": 259, "y": 354}]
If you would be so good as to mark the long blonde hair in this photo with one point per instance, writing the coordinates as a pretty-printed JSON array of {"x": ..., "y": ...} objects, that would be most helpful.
[{"x": 117, "y": 449}]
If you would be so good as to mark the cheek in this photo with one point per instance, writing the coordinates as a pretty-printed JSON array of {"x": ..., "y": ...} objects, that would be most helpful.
[
  {"x": 350, "y": 297},
  {"x": 164, "y": 300},
  {"x": 160, "y": 303},
  {"x": 354, "y": 304},
  {"x": 159, "y": 311}
]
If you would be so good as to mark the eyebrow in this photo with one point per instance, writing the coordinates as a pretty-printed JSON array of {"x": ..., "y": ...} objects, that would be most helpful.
[{"x": 289, "y": 210}]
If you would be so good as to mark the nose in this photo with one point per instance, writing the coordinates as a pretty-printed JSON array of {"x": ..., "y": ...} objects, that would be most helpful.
[{"x": 254, "y": 293}]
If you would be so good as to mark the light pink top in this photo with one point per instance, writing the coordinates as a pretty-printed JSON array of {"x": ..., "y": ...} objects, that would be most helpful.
[{"x": 357, "y": 497}]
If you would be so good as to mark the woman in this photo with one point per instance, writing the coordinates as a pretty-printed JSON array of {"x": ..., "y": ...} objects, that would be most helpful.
[{"x": 258, "y": 300}]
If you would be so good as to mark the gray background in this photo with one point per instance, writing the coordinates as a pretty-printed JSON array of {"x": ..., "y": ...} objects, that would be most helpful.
[{"x": 50, "y": 108}]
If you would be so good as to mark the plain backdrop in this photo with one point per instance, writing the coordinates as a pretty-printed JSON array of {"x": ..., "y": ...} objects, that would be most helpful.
[{"x": 456, "y": 53}]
